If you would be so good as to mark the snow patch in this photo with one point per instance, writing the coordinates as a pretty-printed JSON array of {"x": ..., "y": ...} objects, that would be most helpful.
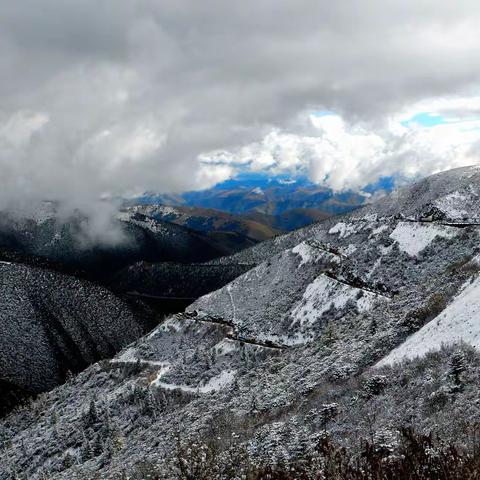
[
  {"x": 325, "y": 292},
  {"x": 351, "y": 249},
  {"x": 379, "y": 230},
  {"x": 130, "y": 356},
  {"x": 215, "y": 384},
  {"x": 452, "y": 205},
  {"x": 164, "y": 369},
  {"x": 290, "y": 340},
  {"x": 232, "y": 302},
  {"x": 225, "y": 347},
  {"x": 377, "y": 263},
  {"x": 458, "y": 322},
  {"x": 412, "y": 238},
  {"x": 167, "y": 210},
  {"x": 308, "y": 253},
  {"x": 127, "y": 356},
  {"x": 343, "y": 229},
  {"x": 146, "y": 222}
]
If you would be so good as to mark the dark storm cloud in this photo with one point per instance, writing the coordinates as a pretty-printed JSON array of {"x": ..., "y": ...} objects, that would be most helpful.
[{"x": 109, "y": 97}]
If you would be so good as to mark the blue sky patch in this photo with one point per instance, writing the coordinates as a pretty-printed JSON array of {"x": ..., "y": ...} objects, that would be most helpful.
[
  {"x": 429, "y": 119},
  {"x": 426, "y": 119},
  {"x": 383, "y": 183}
]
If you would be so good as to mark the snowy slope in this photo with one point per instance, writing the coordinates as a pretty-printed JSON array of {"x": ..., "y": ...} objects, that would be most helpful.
[
  {"x": 452, "y": 196},
  {"x": 52, "y": 323},
  {"x": 412, "y": 238},
  {"x": 318, "y": 309},
  {"x": 325, "y": 293},
  {"x": 459, "y": 322}
]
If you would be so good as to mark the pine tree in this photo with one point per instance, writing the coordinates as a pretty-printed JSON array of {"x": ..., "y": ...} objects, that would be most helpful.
[
  {"x": 151, "y": 404},
  {"x": 91, "y": 417},
  {"x": 457, "y": 366},
  {"x": 97, "y": 445},
  {"x": 328, "y": 412},
  {"x": 86, "y": 450}
]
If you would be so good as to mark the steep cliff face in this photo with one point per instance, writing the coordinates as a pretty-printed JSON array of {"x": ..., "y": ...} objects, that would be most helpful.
[{"x": 302, "y": 345}]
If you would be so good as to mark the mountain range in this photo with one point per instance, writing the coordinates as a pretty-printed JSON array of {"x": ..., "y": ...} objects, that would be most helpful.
[
  {"x": 254, "y": 226},
  {"x": 58, "y": 305},
  {"x": 347, "y": 344},
  {"x": 273, "y": 196},
  {"x": 278, "y": 201}
]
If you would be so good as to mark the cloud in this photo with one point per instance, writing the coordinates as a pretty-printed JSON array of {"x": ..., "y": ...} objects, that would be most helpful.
[
  {"x": 346, "y": 156},
  {"x": 111, "y": 98}
]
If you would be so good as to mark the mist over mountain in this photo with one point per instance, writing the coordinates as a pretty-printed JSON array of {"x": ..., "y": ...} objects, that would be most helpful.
[{"x": 134, "y": 237}]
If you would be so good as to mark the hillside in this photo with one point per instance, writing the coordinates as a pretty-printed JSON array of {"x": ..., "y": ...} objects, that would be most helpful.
[
  {"x": 131, "y": 237},
  {"x": 209, "y": 220},
  {"x": 298, "y": 351},
  {"x": 55, "y": 321},
  {"x": 249, "y": 228},
  {"x": 53, "y": 325},
  {"x": 290, "y": 219},
  {"x": 174, "y": 251}
]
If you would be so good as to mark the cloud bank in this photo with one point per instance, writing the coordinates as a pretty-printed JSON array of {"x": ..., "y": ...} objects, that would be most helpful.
[{"x": 105, "y": 99}]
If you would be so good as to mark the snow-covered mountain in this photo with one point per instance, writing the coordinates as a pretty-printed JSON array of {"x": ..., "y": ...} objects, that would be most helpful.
[
  {"x": 302, "y": 346},
  {"x": 129, "y": 238},
  {"x": 55, "y": 321},
  {"x": 53, "y": 325},
  {"x": 133, "y": 253}
]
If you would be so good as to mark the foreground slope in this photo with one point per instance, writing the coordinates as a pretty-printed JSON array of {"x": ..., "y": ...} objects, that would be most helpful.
[{"x": 286, "y": 353}]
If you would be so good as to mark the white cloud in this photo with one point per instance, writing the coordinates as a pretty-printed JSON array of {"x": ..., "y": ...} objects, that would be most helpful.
[
  {"x": 345, "y": 156},
  {"x": 16, "y": 132},
  {"x": 113, "y": 97}
]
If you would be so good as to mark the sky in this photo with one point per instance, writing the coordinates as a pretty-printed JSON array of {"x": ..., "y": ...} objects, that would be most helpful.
[{"x": 100, "y": 99}]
